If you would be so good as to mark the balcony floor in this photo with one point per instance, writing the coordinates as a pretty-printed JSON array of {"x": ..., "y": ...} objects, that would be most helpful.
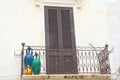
[{"x": 66, "y": 77}]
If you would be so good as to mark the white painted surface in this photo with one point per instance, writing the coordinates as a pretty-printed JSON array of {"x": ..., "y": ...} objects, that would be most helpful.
[
  {"x": 114, "y": 21},
  {"x": 22, "y": 21}
]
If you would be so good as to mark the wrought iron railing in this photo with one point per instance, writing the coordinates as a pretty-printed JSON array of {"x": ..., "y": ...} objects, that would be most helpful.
[{"x": 89, "y": 60}]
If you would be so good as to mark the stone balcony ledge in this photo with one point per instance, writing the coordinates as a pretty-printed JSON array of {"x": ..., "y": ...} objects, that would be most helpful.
[{"x": 66, "y": 77}]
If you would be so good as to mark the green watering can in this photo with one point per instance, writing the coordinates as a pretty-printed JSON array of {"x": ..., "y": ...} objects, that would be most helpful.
[{"x": 36, "y": 64}]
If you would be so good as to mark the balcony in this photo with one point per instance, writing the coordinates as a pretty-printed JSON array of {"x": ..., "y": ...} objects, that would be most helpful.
[{"x": 89, "y": 60}]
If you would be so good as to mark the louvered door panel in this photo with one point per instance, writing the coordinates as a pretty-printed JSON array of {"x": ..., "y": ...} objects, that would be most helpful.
[
  {"x": 54, "y": 64},
  {"x": 66, "y": 28},
  {"x": 68, "y": 63},
  {"x": 52, "y": 39},
  {"x": 68, "y": 36},
  {"x": 52, "y": 28}
]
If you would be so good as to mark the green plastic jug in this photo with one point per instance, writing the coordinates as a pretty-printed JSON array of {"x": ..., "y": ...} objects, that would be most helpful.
[{"x": 36, "y": 64}]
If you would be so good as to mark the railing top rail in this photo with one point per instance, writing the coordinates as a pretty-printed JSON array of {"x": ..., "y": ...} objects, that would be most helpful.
[{"x": 74, "y": 48}]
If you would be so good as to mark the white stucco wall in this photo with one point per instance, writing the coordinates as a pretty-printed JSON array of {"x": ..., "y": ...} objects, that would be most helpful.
[
  {"x": 114, "y": 21},
  {"x": 22, "y": 21}
]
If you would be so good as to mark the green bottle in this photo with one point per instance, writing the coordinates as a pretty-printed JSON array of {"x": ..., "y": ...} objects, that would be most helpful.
[{"x": 36, "y": 64}]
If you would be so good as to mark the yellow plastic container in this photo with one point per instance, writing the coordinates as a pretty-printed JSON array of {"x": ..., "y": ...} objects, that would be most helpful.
[{"x": 28, "y": 70}]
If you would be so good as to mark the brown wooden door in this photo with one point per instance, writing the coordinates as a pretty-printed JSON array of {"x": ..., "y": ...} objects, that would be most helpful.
[{"x": 60, "y": 40}]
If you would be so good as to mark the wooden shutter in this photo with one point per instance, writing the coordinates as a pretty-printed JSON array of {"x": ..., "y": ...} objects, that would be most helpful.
[
  {"x": 54, "y": 64},
  {"x": 69, "y": 58},
  {"x": 67, "y": 26},
  {"x": 52, "y": 38},
  {"x": 68, "y": 62},
  {"x": 59, "y": 32}
]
